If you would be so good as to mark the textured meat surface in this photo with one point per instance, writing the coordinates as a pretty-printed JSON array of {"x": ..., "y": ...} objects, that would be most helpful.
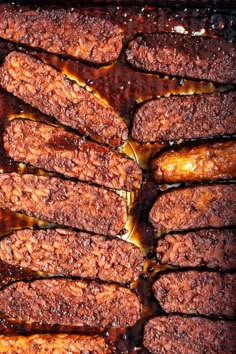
[
  {"x": 205, "y": 162},
  {"x": 43, "y": 87},
  {"x": 59, "y": 151},
  {"x": 196, "y": 57},
  {"x": 194, "y": 292},
  {"x": 57, "y": 343},
  {"x": 211, "y": 248},
  {"x": 187, "y": 335},
  {"x": 185, "y": 117},
  {"x": 63, "y": 32},
  {"x": 69, "y": 253},
  {"x": 64, "y": 202},
  {"x": 195, "y": 207},
  {"x": 70, "y": 302}
]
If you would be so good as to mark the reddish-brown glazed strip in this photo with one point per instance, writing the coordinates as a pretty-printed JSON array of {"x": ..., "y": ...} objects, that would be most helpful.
[
  {"x": 57, "y": 343},
  {"x": 47, "y": 89},
  {"x": 211, "y": 248},
  {"x": 59, "y": 31},
  {"x": 188, "y": 335},
  {"x": 205, "y": 162},
  {"x": 212, "y": 205},
  {"x": 64, "y": 202},
  {"x": 70, "y": 302},
  {"x": 185, "y": 117},
  {"x": 194, "y": 292},
  {"x": 65, "y": 252},
  {"x": 56, "y": 150},
  {"x": 204, "y": 58}
]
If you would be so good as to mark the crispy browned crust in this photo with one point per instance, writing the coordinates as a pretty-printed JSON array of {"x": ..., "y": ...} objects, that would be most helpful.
[
  {"x": 70, "y": 302},
  {"x": 45, "y": 88},
  {"x": 65, "y": 252},
  {"x": 194, "y": 292},
  {"x": 212, "y": 59},
  {"x": 57, "y": 343},
  {"x": 187, "y": 335},
  {"x": 206, "y": 162},
  {"x": 211, "y": 248},
  {"x": 64, "y": 202},
  {"x": 185, "y": 117},
  {"x": 59, "y": 151},
  {"x": 65, "y": 32},
  {"x": 195, "y": 207}
]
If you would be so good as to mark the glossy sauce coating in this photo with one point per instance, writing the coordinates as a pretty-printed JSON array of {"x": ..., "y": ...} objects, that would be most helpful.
[
  {"x": 58, "y": 31},
  {"x": 195, "y": 207},
  {"x": 194, "y": 292},
  {"x": 64, "y": 202},
  {"x": 204, "y": 162},
  {"x": 70, "y": 302},
  {"x": 185, "y": 335},
  {"x": 64, "y": 252},
  {"x": 197, "y": 57},
  {"x": 55, "y": 150},
  {"x": 185, "y": 117},
  {"x": 54, "y": 94}
]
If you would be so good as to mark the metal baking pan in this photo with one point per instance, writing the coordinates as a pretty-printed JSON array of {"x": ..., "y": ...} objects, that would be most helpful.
[{"x": 124, "y": 89}]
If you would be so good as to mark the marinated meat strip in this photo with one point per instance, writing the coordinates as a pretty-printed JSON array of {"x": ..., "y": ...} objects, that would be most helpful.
[
  {"x": 194, "y": 292},
  {"x": 212, "y": 205},
  {"x": 45, "y": 88},
  {"x": 69, "y": 253},
  {"x": 57, "y": 343},
  {"x": 70, "y": 302},
  {"x": 59, "y": 151},
  {"x": 185, "y": 117},
  {"x": 204, "y": 58},
  {"x": 211, "y": 248},
  {"x": 59, "y": 31},
  {"x": 205, "y": 162},
  {"x": 187, "y": 335},
  {"x": 64, "y": 202}
]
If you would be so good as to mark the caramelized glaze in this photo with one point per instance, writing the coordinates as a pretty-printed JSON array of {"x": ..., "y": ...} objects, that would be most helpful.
[{"x": 122, "y": 88}]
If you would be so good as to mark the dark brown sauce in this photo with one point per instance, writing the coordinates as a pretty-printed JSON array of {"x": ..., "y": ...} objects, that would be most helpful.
[{"x": 122, "y": 88}]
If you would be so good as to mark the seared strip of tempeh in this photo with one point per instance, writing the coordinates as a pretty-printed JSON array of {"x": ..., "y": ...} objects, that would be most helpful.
[
  {"x": 56, "y": 343},
  {"x": 70, "y": 302},
  {"x": 185, "y": 117},
  {"x": 187, "y": 335},
  {"x": 69, "y": 253},
  {"x": 56, "y": 150},
  {"x": 45, "y": 88},
  {"x": 211, "y": 248},
  {"x": 204, "y": 58},
  {"x": 194, "y": 292},
  {"x": 212, "y": 205},
  {"x": 64, "y": 202},
  {"x": 64, "y": 32},
  {"x": 205, "y": 162}
]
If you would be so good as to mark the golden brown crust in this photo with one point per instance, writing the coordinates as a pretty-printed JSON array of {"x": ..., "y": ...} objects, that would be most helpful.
[
  {"x": 205, "y": 162},
  {"x": 57, "y": 343}
]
